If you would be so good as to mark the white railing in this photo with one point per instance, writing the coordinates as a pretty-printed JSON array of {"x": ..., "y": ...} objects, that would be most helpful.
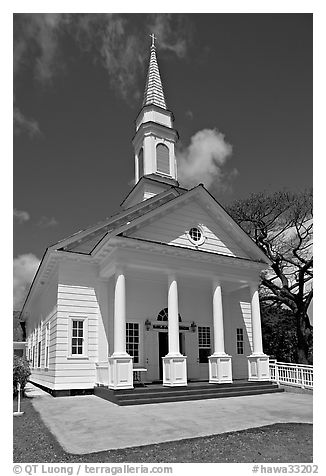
[
  {"x": 102, "y": 373},
  {"x": 298, "y": 375}
]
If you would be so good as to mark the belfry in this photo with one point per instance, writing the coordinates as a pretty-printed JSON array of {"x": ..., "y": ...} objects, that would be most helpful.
[{"x": 154, "y": 139}]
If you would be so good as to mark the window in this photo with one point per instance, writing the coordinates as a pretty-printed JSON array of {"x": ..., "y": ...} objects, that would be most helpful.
[
  {"x": 77, "y": 339},
  {"x": 204, "y": 343},
  {"x": 132, "y": 340},
  {"x": 39, "y": 355},
  {"x": 240, "y": 342},
  {"x": 140, "y": 163},
  {"x": 163, "y": 159},
  {"x": 29, "y": 349},
  {"x": 196, "y": 235},
  {"x": 163, "y": 315},
  {"x": 35, "y": 348},
  {"x": 47, "y": 345},
  {"x": 39, "y": 344}
]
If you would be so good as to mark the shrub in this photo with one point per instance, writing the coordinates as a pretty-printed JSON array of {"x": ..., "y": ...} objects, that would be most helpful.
[{"x": 21, "y": 372}]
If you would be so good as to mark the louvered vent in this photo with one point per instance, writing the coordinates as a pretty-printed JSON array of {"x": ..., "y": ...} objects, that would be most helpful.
[
  {"x": 140, "y": 163},
  {"x": 163, "y": 159}
]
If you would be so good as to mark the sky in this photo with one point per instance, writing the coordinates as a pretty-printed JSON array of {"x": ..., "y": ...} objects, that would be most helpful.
[{"x": 239, "y": 86}]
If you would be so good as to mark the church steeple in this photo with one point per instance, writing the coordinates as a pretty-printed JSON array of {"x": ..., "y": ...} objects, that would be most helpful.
[
  {"x": 154, "y": 90},
  {"x": 155, "y": 136}
]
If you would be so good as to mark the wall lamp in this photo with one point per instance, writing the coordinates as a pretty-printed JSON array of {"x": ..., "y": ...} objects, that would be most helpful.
[
  {"x": 193, "y": 326},
  {"x": 148, "y": 324}
]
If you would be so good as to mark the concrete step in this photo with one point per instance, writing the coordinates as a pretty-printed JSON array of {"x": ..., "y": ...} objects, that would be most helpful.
[
  {"x": 149, "y": 393},
  {"x": 146, "y": 395},
  {"x": 184, "y": 398},
  {"x": 191, "y": 385}
]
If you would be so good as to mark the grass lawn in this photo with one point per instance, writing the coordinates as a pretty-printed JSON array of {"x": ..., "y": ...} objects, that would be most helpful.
[{"x": 280, "y": 443}]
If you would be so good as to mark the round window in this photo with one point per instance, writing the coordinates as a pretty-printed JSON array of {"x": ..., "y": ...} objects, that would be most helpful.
[{"x": 196, "y": 235}]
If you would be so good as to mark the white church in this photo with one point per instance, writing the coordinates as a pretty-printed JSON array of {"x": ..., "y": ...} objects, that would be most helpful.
[{"x": 165, "y": 292}]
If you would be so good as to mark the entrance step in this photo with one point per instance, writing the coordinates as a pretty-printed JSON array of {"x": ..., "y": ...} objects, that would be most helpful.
[{"x": 193, "y": 391}]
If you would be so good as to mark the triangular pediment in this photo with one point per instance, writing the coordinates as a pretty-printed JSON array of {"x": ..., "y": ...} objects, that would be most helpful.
[
  {"x": 174, "y": 228},
  {"x": 167, "y": 219},
  {"x": 172, "y": 224}
]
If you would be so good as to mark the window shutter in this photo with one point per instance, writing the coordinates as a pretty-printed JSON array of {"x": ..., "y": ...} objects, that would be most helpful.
[{"x": 163, "y": 159}]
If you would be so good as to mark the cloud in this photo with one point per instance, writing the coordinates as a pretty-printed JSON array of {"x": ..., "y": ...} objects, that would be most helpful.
[
  {"x": 189, "y": 114},
  {"x": 48, "y": 28},
  {"x": 25, "y": 267},
  {"x": 36, "y": 46},
  {"x": 119, "y": 42},
  {"x": 204, "y": 159},
  {"x": 46, "y": 222},
  {"x": 172, "y": 32},
  {"x": 37, "y": 37},
  {"x": 121, "y": 57},
  {"x": 21, "y": 216},
  {"x": 23, "y": 124},
  {"x": 106, "y": 37}
]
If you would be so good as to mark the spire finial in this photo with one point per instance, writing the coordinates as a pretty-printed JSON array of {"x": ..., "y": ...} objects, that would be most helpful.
[
  {"x": 153, "y": 89},
  {"x": 153, "y": 39}
]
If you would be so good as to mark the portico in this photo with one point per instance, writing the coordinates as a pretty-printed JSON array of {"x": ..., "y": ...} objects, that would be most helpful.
[{"x": 177, "y": 289}]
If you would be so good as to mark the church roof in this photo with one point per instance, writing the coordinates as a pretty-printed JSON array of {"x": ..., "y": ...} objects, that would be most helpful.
[
  {"x": 157, "y": 179},
  {"x": 154, "y": 90},
  {"x": 85, "y": 241}
]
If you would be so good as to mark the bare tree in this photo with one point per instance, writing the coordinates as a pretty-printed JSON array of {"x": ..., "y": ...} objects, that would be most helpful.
[{"x": 281, "y": 225}]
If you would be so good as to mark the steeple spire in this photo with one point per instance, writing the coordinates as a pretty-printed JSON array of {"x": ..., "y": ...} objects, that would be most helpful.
[
  {"x": 154, "y": 140},
  {"x": 154, "y": 90}
]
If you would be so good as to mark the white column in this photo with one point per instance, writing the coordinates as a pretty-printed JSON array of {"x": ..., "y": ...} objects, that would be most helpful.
[
  {"x": 174, "y": 363},
  {"x": 218, "y": 320},
  {"x": 257, "y": 342},
  {"x": 220, "y": 366},
  {"x": 120, "y": 363},
  {"x": 173, "y": 317},
  {"x": 120, "y": 314},
  {"x": 258, "y": 362}
]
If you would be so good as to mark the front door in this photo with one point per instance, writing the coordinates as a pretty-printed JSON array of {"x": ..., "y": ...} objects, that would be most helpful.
[{"x": 163, "y": 348}]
